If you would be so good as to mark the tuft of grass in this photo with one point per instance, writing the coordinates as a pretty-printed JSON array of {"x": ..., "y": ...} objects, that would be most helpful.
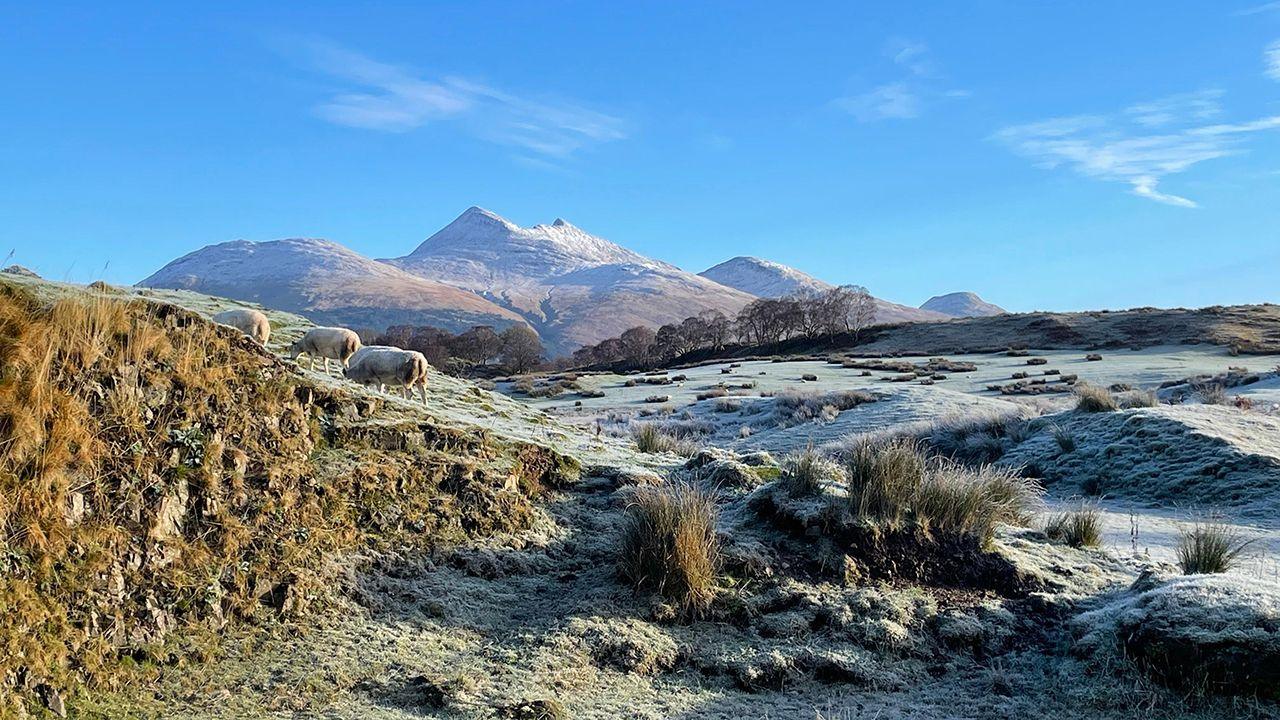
[
  {"x": 884, "y": 477},
  {"x": 1066, "y": 441},
  {"x": 806, "y": 472},
  {"x": 1211, "y": 393},
  {"x": 1210, "y": 547},
  {"x": 896, "y": 481},
  {"x": 1078, "y": 528},
  {"x": 1091, "y": 398},
  {"x": 650, "y": 438},
  {"x": 669, "y": 544}
]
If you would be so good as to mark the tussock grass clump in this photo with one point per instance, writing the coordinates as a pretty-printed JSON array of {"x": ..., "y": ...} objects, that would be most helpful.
[
  {"x": 883, "y": 478},
  {"x": 669, "y": 544},
  {"x": 806, "y": 472},
  {"x": 1078, "y": 528},
  {"x": 1210, "y": 547},
  {"x": 1211, "y": 393},
  {"x": 1091, "y": 398},
  {"x": 798, "y": 406},
  {"x": 1066, "y": 441},
  {"x": 651, "y": 438},
  {"x": 897, "y": 481}
]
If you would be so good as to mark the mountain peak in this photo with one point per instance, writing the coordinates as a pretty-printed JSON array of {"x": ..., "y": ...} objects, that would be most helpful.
[
  {"x": 962, "y": 304},
  {"x": 762, "y": 278}
]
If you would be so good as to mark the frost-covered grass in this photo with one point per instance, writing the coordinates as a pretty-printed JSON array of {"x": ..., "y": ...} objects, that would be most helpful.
[
  {"x": 669, "y": 544},
  {"x": 1210, "y": 547},
  {"x": 900, "y": 481},
  {"x": 1078, "y": 528}
]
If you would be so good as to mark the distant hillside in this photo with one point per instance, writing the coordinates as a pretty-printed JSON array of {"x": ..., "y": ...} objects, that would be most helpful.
[
  {"x": 328, "y": 283},
  {"x": 961, "y": 304},
  {"x": 1249, "y": 328},
  {"x": 573, "y": 287},
  {"x": 765, "y": 278}
]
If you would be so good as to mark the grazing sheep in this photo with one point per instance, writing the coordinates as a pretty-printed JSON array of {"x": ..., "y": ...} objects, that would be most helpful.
[
  {"x": 326, "y": 343},
  {"x": 384, "y": 365},
  {"x": 250, "y": 322}
]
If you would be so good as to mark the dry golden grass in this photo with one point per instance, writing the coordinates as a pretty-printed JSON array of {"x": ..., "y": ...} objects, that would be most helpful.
[
  {"x": 897, "y": 481},
  {"x": 669, "y": 544},
  {"x": 1091, "y": 398},
  {"x": 161, "y": 477}
]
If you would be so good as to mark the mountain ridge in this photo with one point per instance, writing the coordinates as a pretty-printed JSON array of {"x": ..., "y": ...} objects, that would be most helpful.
[{"x": 766, "y": 278}]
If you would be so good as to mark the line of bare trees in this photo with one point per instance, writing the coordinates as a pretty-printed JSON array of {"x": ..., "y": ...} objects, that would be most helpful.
[
  {"x": 813, "y": 314},
  {"x": 517, "y": 348}
]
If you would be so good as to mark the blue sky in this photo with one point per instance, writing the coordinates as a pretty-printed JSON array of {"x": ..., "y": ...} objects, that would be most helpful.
[{"x": 1048, "y": 155}]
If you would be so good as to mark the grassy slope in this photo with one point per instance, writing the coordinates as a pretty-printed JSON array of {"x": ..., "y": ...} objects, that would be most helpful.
[{"x": 164, "y": 478}]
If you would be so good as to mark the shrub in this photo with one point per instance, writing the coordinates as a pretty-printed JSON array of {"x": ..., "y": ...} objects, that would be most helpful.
[
  {"x": 1091, "y": 398},
  {"x": 1077, "y": 528},
  {"x": 712, "y": 393},
  {"x": 1092, "y": 357},
  {"x": 1020, "y": 376},
  {"x": 1210, "y": 547},
  {"x": 1016, "y": 352},
  {"x": 669, "y": 544},
  {"x": 1038, "y": 361},
  {"x": 805, "y": 472},
  {"x": 658, "y": 398},
  {"x": 652, "y": 439},
  {"x": 809, "y": 377}
]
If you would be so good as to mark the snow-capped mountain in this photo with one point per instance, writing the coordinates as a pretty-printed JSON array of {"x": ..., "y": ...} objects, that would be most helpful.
[
  {"x": 962, "y": 304},
  {"x": 328, "y": 283},
  {"x": 765, "y": 278},
  {"x": 573, "y": 287},
  {"x": 762, "y": 278}
]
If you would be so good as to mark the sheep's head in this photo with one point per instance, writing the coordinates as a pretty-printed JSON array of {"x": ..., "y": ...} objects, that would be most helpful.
[{"x": 295, "y": 349}]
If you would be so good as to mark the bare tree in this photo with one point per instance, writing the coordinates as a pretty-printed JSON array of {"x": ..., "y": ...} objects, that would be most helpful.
[
  {"x": 862, "y": 310},
  {"x": 521, "y": 348}
]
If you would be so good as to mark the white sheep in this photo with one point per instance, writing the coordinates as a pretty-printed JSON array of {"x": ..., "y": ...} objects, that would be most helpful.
[
  {"x": 250, "y": 322},
  {"x": 384, "y": 365},
  {"x": 326, "y": 343}
]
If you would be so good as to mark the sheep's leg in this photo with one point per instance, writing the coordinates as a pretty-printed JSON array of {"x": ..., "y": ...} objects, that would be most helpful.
[
  {"x": 326, "y": 366},
  {"x": 311, "y": 362},
  {"x": 422, "y": 390},
  {"x": 382, "y": 387}
]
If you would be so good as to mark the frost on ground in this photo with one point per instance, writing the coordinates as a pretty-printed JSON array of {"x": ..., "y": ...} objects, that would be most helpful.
[
  {"x": 1203, "y": 456},
  {"x": 806, "y": 622},
  {"x": 1200, "y": 632}
]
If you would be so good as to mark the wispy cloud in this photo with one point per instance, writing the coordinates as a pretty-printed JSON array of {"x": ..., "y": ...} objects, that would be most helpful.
[
  {"x": 1127, "y": 147},
  {"x": 1200, "y": 105},
  {"x": 905, "y": 97},
  {"x": 390, "y": 98},
  {"x": 893, "y": 100},
  {"x": 1271, "y": 57},
  {"x": 1258, "y": 9}
]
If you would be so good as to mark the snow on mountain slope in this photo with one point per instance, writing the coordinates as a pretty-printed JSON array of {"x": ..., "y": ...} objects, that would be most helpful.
[
  {"x": 762, "y": 278},
  {"x": 328, "y": 283},
  {"x": 765, "y": 278},
  {"x": 573, "y": 287},
  {"x": 962, "y": 304}
]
